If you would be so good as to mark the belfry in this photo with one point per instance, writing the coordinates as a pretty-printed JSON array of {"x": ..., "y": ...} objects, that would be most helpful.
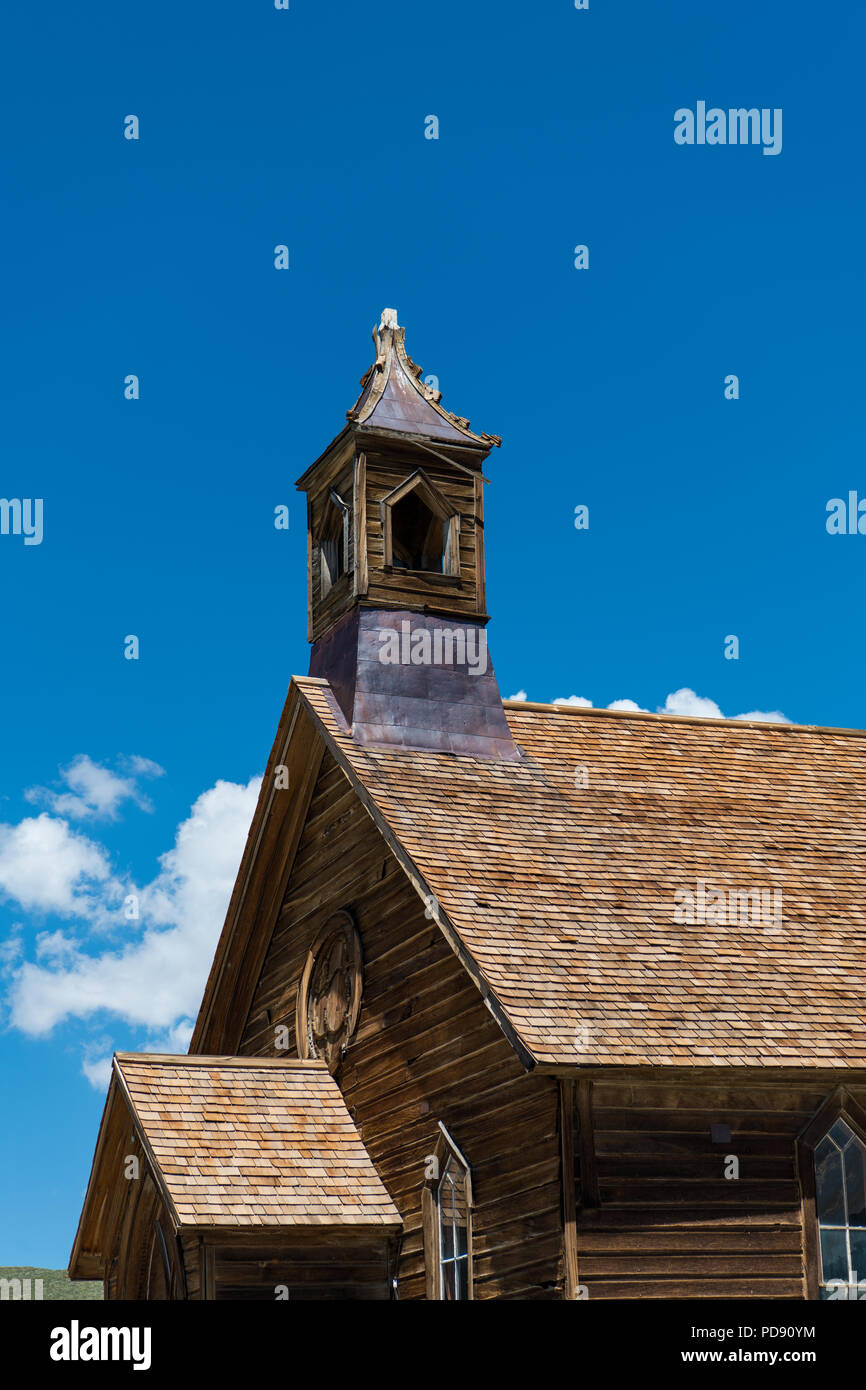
[{"x": 395, "y": 520}]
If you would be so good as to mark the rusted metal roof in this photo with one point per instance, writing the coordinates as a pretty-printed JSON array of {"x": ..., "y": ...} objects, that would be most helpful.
[{"x": 394, "y": 398}]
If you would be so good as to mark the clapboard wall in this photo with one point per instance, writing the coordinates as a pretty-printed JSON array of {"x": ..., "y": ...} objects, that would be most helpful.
[{"x": 657, "y": 1218}]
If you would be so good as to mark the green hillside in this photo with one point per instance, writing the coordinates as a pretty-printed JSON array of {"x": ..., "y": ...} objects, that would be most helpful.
[{"x": 56, "y": 1284}]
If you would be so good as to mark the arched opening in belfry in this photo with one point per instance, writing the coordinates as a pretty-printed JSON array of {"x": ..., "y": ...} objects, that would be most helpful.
[
  {"x": 332, "y": 545},
  {"x": 417, "y": 535}
]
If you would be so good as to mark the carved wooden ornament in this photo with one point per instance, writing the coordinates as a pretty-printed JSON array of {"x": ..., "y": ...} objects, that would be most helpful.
[{"x": 329, "y": 995}]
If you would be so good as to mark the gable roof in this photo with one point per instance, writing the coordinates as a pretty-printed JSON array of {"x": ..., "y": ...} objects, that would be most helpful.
[
  {"x": 560, "y": 898},
  {"x": 234, "y": 1142}
]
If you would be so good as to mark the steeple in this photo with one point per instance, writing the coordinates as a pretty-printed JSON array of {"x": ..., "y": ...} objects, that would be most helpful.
[
  {"x": 394, "y": 398},
  {"x": 395, "y": 581}
]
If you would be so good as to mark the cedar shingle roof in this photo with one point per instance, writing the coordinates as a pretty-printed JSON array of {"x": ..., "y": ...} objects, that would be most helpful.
[
  {"x": 564, "y": 894},
  {"x": 251, "y": 1144}
]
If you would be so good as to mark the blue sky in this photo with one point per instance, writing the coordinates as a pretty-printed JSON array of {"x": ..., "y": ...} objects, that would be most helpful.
[{"x": 155, "y": 257}]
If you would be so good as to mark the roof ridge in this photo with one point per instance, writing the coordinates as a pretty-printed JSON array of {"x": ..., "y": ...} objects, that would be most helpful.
[
  {"x": 194, "y": 1059},
  {"x": 659, "y": 715},
  {"x": 592, "y": 711}
]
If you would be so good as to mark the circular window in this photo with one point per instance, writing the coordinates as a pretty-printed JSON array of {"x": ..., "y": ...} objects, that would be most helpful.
[{"x": 329, "y": 995}]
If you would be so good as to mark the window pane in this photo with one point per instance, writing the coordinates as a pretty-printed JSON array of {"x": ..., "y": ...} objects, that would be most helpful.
[
  {"x": 453, "y": 1232},
  {"x": 834, "y": 1255},
  {"x": 855, "y": 1181},
  {"x": 828, "y": 1187},
  {"x": 448, "y": 1197},
  {"x": 841, "y": 1133},
  {"x": 858, "y": 1258}
]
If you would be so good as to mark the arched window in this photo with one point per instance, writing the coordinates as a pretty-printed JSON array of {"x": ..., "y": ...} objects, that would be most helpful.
[
  {"x": 840, "y": 1206},
  {"x": 333, "y": 542},
  {"x": 453, "y": 1208},
  {"x": 447, "y": 1213},
  {"x": 421, "y": 528},
  {"x": 159, "y": 1276},
  {"x": 832, "y": 1163},
  {"x": 417, "y": 536}
]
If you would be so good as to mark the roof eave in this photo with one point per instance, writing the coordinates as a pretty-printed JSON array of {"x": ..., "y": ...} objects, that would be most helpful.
[
  {"x": 83, "y": 1262},
  {"x": 700, "y": 1070}
]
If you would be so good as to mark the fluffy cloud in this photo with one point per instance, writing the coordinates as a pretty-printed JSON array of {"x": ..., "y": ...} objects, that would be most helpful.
[
  {"x": 93, "y": 791},
  {"x": 156, "y": 981},
  {"x": 47, "y": 867},
  {"x": 763, "y": 716},
  {"x": 98, "y": 1072},
  {"x": 685, "y": 701},
  {"x": 97, "y": 1068}
]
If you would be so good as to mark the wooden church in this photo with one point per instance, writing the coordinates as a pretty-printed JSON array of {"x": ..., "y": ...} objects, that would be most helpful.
[{"x": 512, "y": 1001}]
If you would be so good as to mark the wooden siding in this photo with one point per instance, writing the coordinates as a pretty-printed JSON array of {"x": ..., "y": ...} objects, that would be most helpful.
[
  {"x": 667, "y": 1223},
  {"x": 378, "y": 474},
  {"x": 399, "y": 588},
  {"x": 310, "y": 1268},
  {"x": 341, "y": 597},
  {"x": 425, "y": 1050},
  {"x": 190, "y": 1245}
]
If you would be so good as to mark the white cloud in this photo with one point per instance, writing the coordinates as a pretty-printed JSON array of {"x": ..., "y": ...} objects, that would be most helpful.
[
  {"x": 158, "y": 980},
  {"x": 97, "y": 1067},
  {"x": 47, "y": 867},
  {"x": 11, "y": 949},
  {"x": 55, "y": 947},
  {"x": 143, "y": 767},
  {"x": 175, "y": 1039},
  {"x": 773, "y": 716},
  {"x": 682, "y": 702},
  {"x": 685, "y": 701},
  {"x": 98, "y": 1073},
  {"x": 95, "y": 792}
]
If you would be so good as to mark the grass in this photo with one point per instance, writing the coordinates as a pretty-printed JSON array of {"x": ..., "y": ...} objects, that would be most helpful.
[{"x": 56, "y": 1283}]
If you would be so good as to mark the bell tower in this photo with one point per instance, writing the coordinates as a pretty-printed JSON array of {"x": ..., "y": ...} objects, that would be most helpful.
[{"x": 395, "y": 566}]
